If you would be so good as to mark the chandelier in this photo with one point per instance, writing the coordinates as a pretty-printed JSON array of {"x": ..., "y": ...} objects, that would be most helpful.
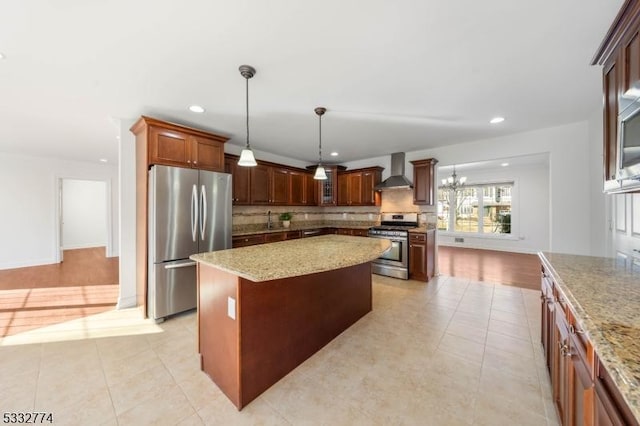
[{"x": 452, "y": 183}]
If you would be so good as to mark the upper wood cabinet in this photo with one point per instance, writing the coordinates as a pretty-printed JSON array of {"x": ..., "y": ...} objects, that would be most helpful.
[
  {"x": 241, "y": 178},
  {"x": 619, "y": 55},
  {"x": 175, "y": 145},
  {"x": 355, "y": 187},
  {"x": 423, "y": 181},
  {"x": 270, "y": 184},
  {"x": 327, "y": 190}
]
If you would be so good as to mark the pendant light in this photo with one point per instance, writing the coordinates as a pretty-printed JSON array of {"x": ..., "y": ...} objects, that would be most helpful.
[
  {"x": 320, "y": 172},
  {"x": 246, "y": 156}
]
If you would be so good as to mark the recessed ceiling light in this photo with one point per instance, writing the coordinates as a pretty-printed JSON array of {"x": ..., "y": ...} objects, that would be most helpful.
[
  {"x": 2, "y": 55},
  {"x": 334, "y": 154},
  {"x": 196, "y": 108},
  {"x": 103, "y": 160},
  {"x": 504, "y": 164},
  {"x": 496, "y": 120}
]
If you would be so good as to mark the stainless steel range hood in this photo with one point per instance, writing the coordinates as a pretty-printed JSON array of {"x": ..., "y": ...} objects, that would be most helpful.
[{"x": 397, "y": 180}]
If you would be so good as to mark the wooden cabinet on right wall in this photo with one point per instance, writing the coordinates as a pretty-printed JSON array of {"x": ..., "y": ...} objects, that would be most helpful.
[
  {"x": 423, "y": 181},
  {"x": 619, "y": 56}
]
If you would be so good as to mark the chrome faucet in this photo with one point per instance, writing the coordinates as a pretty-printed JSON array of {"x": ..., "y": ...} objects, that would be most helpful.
[{"x": 269, "y": 223}]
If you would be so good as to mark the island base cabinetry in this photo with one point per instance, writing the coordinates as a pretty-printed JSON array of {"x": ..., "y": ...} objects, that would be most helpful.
[{"x": 252, "y": 334}]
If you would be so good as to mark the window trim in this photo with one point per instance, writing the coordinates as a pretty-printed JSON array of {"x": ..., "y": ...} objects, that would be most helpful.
[{"x": 515, "y": 198}]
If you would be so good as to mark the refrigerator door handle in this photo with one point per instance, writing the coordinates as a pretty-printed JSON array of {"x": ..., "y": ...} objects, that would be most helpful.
[
  {"x": 194, "y": 212},
  {"x": 180, "y": 265},
  {"x": 203, "y": 212}
]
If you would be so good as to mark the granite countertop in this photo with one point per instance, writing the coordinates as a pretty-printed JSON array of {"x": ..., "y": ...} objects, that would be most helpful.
[
  {"x": 292, "y": 258},
  {"x": 421, "y": 230},
  {"x": 297, "y": 227},
  {"x": 303, "y": 227},
  {"x": 604, "y": 293}
]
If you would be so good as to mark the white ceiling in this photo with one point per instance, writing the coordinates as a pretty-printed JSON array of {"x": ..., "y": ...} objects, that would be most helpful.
[{"x": 394, "y": 75}]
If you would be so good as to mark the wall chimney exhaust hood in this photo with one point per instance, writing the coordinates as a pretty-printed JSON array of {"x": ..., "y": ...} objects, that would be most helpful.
[{"x": 397, "y": 180}]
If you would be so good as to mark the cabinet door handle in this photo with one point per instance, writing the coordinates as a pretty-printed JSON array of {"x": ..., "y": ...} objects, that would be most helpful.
[{"x": 575, "y": 330}]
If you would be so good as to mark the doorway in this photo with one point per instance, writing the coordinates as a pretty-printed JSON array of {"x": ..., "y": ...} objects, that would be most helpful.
[{"x": 83, "y": 216}]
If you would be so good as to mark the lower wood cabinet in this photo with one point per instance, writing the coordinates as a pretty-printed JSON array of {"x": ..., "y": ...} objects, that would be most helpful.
[
  {"x": 421, "y": 256},
  {"x": 273, "y": 237},
  {"x": 583, "y": 391}
]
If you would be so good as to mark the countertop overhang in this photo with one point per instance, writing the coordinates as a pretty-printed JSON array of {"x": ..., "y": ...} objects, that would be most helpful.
[{"x": 298, "y": 257}]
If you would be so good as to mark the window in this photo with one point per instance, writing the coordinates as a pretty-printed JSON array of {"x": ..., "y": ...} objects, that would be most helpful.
[{"x": 481, "y": 209}]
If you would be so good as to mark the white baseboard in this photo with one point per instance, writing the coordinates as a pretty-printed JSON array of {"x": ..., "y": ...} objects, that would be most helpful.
[
  {"x": 127, "y": 302},
  {"x": 82, "y": 246},
  {"x": 27, "y": 263}
]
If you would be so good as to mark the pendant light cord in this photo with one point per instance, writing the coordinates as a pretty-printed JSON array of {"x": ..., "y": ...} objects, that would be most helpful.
[
  {"x": 320, "y": 141},
  {"x": 247, "y": 98}
]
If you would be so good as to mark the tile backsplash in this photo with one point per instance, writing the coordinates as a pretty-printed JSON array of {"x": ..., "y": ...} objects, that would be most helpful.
[{"x": 393, "y": 201}]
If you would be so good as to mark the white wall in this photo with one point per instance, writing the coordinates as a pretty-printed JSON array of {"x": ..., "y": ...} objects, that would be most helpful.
[
  {"x": 127, "y": 215},
  {"x": 569, "y": 175},
  {"x": 530, "y": 207},
  {"x": 28, "y": 214},
  {"x": 84, "y": 214}
]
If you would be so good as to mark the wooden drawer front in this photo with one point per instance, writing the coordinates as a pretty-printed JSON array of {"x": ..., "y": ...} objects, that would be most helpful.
[
  {"x": 360, "y": 232},
  {"x": 312, "y": 233},
  {"x": 292, "y": 235},
  {"x": 344, "y": 231},
  {"x": 247, "y": 240},
  {"x": 417, "y": 238},
  {"x": 277, "y": 236}
]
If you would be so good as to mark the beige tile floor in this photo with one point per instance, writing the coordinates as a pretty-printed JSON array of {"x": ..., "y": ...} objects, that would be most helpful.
[{"x": 451, "y": 352}]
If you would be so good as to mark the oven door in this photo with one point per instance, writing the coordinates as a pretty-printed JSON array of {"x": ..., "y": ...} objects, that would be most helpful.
[{"x": 396, "y": 255}]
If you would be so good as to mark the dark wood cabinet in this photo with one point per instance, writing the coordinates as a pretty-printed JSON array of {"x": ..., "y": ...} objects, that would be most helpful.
[
  {"x": 423, "y": 181},
  {"x": 270, "y": 184},
  {"x": 355, "y": 188},
  {"x": 298, "y": 184},
  {"x": 327, "y": 190},
  {"x": 260, "y": 184},
  {"x": 173, "y": 145},
  {"x": 421, "y": 255},
  {"x": 241, "y": 178},
  {"x": 310, "y": 190},
  {"x": 609, "y": 406},
  {"x": 280, "y": 186},
  {"x": 583, "y": 391},
  {"x": 247, "y": 240},
  {"x": 619, "y": 55}
]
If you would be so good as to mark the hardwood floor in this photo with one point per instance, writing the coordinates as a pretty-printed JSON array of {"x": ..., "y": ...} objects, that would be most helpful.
[
  {"x": 85, "y": 283},
  {"x": 514, "y": 269}
]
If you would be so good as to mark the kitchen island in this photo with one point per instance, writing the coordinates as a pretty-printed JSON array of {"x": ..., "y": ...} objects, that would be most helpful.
[{"x": 263, "y": 310}]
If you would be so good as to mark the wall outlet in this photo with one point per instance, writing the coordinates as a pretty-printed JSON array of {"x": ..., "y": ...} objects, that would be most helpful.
[
  {"x": 231, "y": 307},
  {"x": 370, "y": 216},
  {"x": 459, "y": 239},
  {"x": 306, "y": 216},
  {"x": 344, "y": 215}
]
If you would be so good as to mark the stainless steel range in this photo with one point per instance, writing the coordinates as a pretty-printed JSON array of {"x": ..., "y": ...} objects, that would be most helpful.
[{"x": 394, "y": 227}]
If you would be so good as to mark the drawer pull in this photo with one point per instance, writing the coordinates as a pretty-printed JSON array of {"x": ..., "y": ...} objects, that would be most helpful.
[{"x": 575, "y": 330}]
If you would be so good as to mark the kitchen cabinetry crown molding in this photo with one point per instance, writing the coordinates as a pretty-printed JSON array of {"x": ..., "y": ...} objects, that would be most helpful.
[
  {"x": 149, "y": 121},
  {"x": 624, "y": 20}
]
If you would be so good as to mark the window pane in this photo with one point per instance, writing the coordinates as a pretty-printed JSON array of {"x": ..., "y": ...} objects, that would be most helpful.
[
  {"x": 497, "y": 210},
  {"x": 443, "y": 210},
  {"x": 466, "y": 214}
]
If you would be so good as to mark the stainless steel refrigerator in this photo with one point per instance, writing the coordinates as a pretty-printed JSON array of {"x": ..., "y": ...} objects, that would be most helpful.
[{"x": 189, "y": 212}]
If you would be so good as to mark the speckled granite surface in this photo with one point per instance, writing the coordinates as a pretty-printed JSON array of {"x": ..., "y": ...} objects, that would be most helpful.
[
  {"x": 605, "y": 295},
  {"x": 260, "y": 229},
  {"x": 421, "y": 229},
  {"x": 291, "y": 258}
]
